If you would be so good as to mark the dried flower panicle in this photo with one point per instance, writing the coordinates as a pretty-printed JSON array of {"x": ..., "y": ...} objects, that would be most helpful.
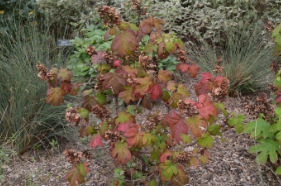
[
  {"x": 220, "y": 90},
  {"x": 100, "y": 112},
  {"x": 90, "y": 50},
  {"x": 71, "y": 115},
  {"x": 259, "y": 105},
  {"x": 268, "y": 26},
  {"x": 218, "y": 67},
  {"x": 72, "y": 157},
  {"x": 131, "y": 80},
  {"x": 184, "y": 158},
  {"x": 148, "y": 64},
  {"x": 112, "y": 136},
  {"x": 153, "y": 120},
  {"x": 109, "y": 16},
  {"x": 100, "y": 79},
  {"x": 181, "y": 55},
  {"x": 109, "y": 57},
  {"x": 274, "y": 67},
  {"x": 187, "y": 108},
  {"x": 44, "y": 74},
  {"x": 87, "y": 155}
]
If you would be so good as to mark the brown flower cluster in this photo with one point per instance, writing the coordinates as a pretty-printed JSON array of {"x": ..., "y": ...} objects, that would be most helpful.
[
  {"x": 90, "y": 50},
  {"x": 268, "y": 26},
  {"x": 274, "y": 67},
  {"x": 148, "y": 64},
  {"x": 109, "y": 57},
  {"x": 100, "y": 112},
  {"x": 272, "y": 88},
  {"x": 152, "y": 121},
  {"x": 187, "y": 108},
  {"x": 71, "y": 115},
  {"x": 43, "y": 73},
  {"x": 109, "y": 16},
  {"x": 218, "y": 67},
  {"x": 112, "y": 136},
  {"x": 181, "y": 55},
  {"x": 72, "y": 157},
  {"x": 100, "y": 80},
  {"x": 220, "y": 90},
  {"x": 184, "y": 158},
  {"x": 259, "y": 105},
  {"x": 87, "y": 155},
  {"x": 131, "y": 80}
]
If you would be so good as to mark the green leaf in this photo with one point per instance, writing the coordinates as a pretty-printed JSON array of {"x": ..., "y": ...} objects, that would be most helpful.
[
  {"x": 54, "y": 95},
  {"x": 124, "y": 117},
  {"x": 221, "y": 107},
  {"x": 278, "y": 170},
  {"x": 180, "y": 178},
  {"x": 206, "y": 140},
  {"x": 65, "y": 74},
  {"x": 267, "y": 147},
  {"x": 100, "y": 97},
  {"x": 121, "y": 152},
  {"x": 257, "y": 127},
  {"x": 167, "y": 170},
  {"x": 185, "y": 138},
  {"x": 131, "y": 109},
  {"x": 84, "y": 113},
  {"x": 150, "y": 47}
]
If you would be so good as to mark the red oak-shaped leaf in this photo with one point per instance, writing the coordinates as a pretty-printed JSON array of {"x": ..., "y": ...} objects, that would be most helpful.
[
  {"x": 206, "y": 77},
  {"x": 202, "y": 88},
  {"x": 193, "y": 70},
  {"x": 153, "y": 36},
  {"x": 97, "y": 58},
  {"x": 155, "y": 90},
  {"x": 177, "y": 125},
  {"x": 88, "y": 102},
  {"x": 167, "y": 170},
  {"x": 206, "y": 107},
  {"x": 77, "y": 174},
  {"x": 66, "y": 87},
  {"x": 181, "y": 178},
  {"x": 54, "y": 95},
  {"x": 182, "y": 67},
  {"x": 143, "y": 86},
  {"x": 65, "y": 75},
  {"x": 151, "y": 23},
  {"x": 164, "y": 76},
  {"x": 130, "y": 70},
  {"x": 165, "y": 154},
  {"x": 115, "y": 80},
  {"x": 123, "y": 127},
  {"x": 124, "y": 117},
  {"x": 121, "y": 152},
  {"x": 125, "y": 43},
  {"x": 150, "y": 47},
  {"x": 195, "y": 123},
  {"x": 148, "y": 139},
  {"x": 95, "y": 140},
  {"x": 134, "y": 138},
  {"x": 128, "y": 94}
]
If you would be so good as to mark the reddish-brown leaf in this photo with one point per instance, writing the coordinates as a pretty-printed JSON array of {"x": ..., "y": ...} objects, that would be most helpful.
[
  {"x": 65, "y": 75},
  {"x": 97, "y": 58},
  {"x": 128, "y": 94},
  {"x": 164, "y": 76},
  {"x": 155, "y": 91},
  {"x": 134, "y": 138},
  {"x": 66, "y": 87},
  {"x": 125, "y": 43},
  {"x": 206, "y": 107},
  {"x": 193, "y": 70},
  {"x": 77, "y": 174},
  {"x": 115, "y": 80},
  {"x": 130, "y": 70},
  {"x": 88, "y": 102},
  {"x": 143, "y": 86},
  {"x": 165, "y": 154},
  {"x": 121, "y": 152},
  {"x": 96, "y": 140},
  {"x": 182, "y": 67},
  {"x": 195, "y": 123},
  {"x": 123, "y": 127},
  {"x": 146, "y": 103},
  {"x": 54, "y": 95},
  {"x": 177, "y": 125}
]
